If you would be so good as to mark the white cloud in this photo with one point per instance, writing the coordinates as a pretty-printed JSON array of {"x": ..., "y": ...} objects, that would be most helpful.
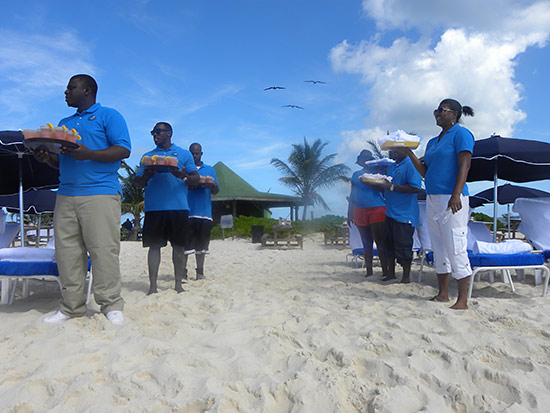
[
  {"x": 35, "y": 68},
  {"x": 498, "y": 17},
  {"x": 473, "y": 63}
]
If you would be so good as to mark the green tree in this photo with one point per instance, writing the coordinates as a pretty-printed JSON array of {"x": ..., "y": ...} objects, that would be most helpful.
[
  {"x": 132, "y": 198},
  {"x": 308, "y": 171}
]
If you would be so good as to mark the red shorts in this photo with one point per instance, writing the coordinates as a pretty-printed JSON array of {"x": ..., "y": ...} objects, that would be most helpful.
[{"x": 366, "y": 216}]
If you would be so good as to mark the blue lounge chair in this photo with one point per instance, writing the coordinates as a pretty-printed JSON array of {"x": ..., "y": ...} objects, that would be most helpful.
[{"x": 23, "y": 264}]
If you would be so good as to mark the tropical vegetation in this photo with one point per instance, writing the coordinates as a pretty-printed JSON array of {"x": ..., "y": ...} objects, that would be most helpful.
[
  {"x": 309, "y": 171},
  {"x": 132, "y": 198}
]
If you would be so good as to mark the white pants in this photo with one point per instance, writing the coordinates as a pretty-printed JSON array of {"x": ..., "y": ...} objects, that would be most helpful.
[{"x": 449, "y": 240}]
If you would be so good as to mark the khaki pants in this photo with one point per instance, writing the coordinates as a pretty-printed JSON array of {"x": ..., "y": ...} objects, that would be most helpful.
[{"x": 88, "y": 224}]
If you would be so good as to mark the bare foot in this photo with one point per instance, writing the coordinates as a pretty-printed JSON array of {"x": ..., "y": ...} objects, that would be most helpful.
[
  {"x": 179, "y": 288},
  {"x": 440, "y": 299},
  {"x": 459, "y": 306},
  {"x": 152, "y": 290}
]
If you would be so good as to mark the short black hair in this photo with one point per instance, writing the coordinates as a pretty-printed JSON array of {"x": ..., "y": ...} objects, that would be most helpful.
[
  {"x": 87, "y": 81},
  {"x": 166, "y": 124},
  {"x": 195, "y": 144}
]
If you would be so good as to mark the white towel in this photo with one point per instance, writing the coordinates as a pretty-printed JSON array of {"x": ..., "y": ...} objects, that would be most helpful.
[
  {"x": 513, "y": 246},
  {"x": 27, "y": 254}
]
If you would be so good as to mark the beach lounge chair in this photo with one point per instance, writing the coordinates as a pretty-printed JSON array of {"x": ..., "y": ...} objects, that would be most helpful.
[
  {"x": 23, "y": 264},
  {"x": 11, "y": 229},
  {"x": 356, "y": 256},
  {"x": 535, "y": 222},
  {"x": 493, "y": 262},
  {"x": 504, "y": 262}
]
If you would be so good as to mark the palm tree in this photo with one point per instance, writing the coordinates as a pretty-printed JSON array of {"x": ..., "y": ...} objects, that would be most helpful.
[
  {"x": 308, "y": 171},
  {"x": 132, "y": 198}
]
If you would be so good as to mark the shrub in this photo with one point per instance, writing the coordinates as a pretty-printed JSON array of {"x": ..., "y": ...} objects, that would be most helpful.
[{"x": 243, "y": 226}]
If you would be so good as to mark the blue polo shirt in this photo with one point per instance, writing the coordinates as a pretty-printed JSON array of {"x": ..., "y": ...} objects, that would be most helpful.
[
  {"x": 100, "y": 128},
  {"x": 200, "y": 201},
  {"x": 363, "y": 196},
  {"x": 401, "y": 206},
  {"x": 165, "y": 192},
  {"x": 442, "y": 162}
]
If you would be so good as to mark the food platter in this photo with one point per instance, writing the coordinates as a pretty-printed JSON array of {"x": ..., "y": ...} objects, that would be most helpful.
[
  {"x": 162, "y": 168},
  {"x": 373, "y": 180},
  {"x": 49, "y": 144}
]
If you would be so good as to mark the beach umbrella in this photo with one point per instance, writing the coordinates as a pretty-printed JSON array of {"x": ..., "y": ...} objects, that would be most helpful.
[
  {"x": 507, "y": 194},
  {"x": 511, "y": 159},
  {"x": 19, "y": 171},
  {"x": 35, "y": 201}
]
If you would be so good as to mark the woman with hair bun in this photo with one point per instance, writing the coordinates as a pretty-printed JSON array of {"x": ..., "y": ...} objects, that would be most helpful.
[{"x": 445, "y": 168}]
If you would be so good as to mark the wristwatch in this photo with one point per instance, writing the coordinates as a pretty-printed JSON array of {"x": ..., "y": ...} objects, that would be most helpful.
[{"x": 392, "y": 187}]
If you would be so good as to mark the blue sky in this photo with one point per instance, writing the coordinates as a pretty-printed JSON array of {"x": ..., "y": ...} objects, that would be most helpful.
[{"x": 203, "y": 66}]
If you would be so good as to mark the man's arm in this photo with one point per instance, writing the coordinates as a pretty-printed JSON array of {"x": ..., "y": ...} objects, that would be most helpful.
[
  {"x": 141, "y": 180},
  {"x": 213, "y": 186},
  {"x": 193, "y": 178}
]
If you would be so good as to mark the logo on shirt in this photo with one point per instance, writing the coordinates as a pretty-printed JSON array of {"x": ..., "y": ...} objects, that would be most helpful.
[{"x": 93, "y": 117}]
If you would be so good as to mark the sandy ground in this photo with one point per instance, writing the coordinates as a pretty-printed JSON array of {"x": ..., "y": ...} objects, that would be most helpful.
[{"x": 279, "y": 331}]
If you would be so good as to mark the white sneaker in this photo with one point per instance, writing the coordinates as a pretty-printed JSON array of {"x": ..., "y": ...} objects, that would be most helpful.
[
  {"x": 116, "y": 317},
  {"x": 57, "y": 318}
]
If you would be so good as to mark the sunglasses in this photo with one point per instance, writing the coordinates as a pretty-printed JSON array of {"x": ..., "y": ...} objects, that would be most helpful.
[
  {"x": 159, "y": 131},
  {"x": 440, "y": 109}
]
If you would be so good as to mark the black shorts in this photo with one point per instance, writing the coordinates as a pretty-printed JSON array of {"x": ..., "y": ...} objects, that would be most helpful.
[
  {"x": 200, "y": 235},
  {"x": 159, "y": 227},
  {"x": 398, "y": 240}
]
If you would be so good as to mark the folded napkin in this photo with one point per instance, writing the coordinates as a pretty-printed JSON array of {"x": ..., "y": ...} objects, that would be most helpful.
[{"x": 513, "y": 246}]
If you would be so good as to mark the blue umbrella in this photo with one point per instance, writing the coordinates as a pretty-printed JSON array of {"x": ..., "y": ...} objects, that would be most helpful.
[
  {"x": 511, "y": 159},
  {"x": 507, "y": 194},
  {"x": 19, "y": 171},
  {"x": 34, "y": 201}
]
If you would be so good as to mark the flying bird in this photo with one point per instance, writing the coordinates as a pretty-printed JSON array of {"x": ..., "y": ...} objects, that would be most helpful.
[
  {"x": 315, "y": 81},
  {"x": 292, "y": 106},
  {"x": 274, "y": 88}
]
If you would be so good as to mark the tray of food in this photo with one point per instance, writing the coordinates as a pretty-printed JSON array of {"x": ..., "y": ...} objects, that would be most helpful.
[
  {"x": 51, "y": 138},
  {"x": 160, "y": 163},
  {"x": 375, "y": 178},
  {"x": 399, "y": 139}
]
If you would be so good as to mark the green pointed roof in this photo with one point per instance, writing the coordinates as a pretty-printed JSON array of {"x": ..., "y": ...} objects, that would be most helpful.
[{"x": 233, "y": 187}]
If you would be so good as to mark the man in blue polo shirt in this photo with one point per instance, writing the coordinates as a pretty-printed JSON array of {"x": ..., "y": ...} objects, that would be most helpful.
[
  {"x": 200, "y": 208},
  {"x": 401, "y": 213},
  {"x": 166, "y": 206},
  {"x": 87, "y": 210}
]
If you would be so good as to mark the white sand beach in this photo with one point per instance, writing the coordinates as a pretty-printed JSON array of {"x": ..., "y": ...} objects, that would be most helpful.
[{"x": 280, "y": 331}]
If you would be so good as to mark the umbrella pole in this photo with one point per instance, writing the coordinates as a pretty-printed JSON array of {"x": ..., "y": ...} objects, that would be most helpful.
[
  {"x": 509, "y": 221},
  {"x": 21, "y": 219},
  {"x": 495, "y": 207},
  {"x": 38, "y": 231}
]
